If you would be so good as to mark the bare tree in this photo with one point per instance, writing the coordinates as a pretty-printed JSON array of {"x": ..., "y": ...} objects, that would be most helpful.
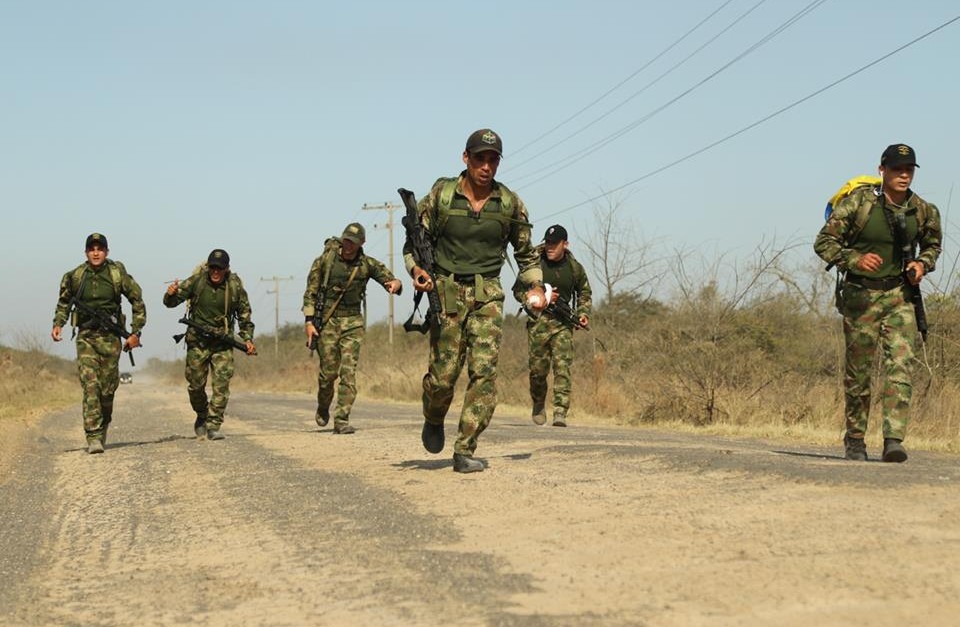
[{"x": 619, "y": 256}]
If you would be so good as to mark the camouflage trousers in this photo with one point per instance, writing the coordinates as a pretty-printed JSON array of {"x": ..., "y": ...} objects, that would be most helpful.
[
  {"x": 470, "y": 332},
  {"x": 872, "y": 319},
  {"x": 551, "y": 346},
  {"x": 339, "y": 349},
  {"x": 202, "y": 360},
  {"x": 98, "y": 354}
]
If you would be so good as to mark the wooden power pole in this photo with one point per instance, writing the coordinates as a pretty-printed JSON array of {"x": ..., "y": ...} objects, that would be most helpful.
[{"x": 276, "y": 310}]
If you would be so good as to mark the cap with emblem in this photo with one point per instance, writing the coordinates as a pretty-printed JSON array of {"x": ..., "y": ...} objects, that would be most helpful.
[
  {"x": 355, "y": 233},
  {"x": 555, "y": 234},
  {"x": 484, "y": 140},
  {"x": 96, "y": 239},
  {"x": 898, "y": 154},
  {"x": 218, "y": 258}
]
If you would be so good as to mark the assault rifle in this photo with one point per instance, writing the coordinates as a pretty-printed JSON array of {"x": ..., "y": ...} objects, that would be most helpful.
[
  {"x": 211, "y": 334},
  {"x": 423, "y": 256},
  {"x": 914, "y": 295},
  {"x": 561, "y": 310},
  {"x": 97, "y": 319}
]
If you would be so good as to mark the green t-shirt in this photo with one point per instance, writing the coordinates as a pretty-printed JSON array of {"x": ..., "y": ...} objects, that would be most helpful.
[{"x": 877, "y": 237}]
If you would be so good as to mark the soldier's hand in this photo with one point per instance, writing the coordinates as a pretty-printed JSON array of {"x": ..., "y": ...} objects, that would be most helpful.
[
  {"x": 251, "y": 349},
  {"x": 870, "y": 262},
  {"x": 536, "y": 299},
  {"x": 132, "y": 342},
  {"x": 584, "y": 322},
  {"x": 57, "y": 334},
  {"x": 421, "y": 280},
  {"x": 553, "y": 297},
  {"x": 915, "y": 272},
  {"x": 311, "y": 331},
  {"x": 173, "y": 287},
  {"x": 394, "y": 286}
]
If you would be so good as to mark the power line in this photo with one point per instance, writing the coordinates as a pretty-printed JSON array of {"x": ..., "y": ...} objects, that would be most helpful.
[
  {"x": 592, "y": 148},
  {"x": 621, "y": 83},
  {"x": 622, "y": 103},
  {"x": 758, "y": 122}
]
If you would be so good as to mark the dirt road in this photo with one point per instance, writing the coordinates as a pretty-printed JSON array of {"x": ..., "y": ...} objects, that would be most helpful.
[{"x": 283, "y": 523}]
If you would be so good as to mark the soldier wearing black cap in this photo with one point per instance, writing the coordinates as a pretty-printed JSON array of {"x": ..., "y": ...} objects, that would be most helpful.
[
  {"x": 550, "y": 334},
  {"x": 470, "y": 220},
  {"x": 216, "y": 298},
  {"x": 862, "y": 238},
  {"x": 334, "y": 322},
  {"x": 97, "y": 285}
]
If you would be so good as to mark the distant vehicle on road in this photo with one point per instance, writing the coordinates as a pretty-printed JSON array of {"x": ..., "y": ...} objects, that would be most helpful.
[{"x": 126, "y": 377}]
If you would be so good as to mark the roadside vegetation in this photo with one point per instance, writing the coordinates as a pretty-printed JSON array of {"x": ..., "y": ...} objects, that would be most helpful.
[{"x": 33, "y": 381}]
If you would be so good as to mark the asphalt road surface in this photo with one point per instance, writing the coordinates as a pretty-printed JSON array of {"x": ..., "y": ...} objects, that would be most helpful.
[{"x": 283, "y": 523}]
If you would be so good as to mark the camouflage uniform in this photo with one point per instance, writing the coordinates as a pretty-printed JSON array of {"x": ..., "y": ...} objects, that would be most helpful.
[
  {"x": 873, "y": 304},
  {"x": 98, "y": 351},
  {"x": 215, "y": 307},
  {"x": 340, "y": 320},
  {"x": 469, "y": 254},
  {"x": 549, "y": 340}
]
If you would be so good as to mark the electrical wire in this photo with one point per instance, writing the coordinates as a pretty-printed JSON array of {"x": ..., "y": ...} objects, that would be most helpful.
[
  {"x": 758, "y": 122},
  {"x": 643, "y": 89},
  {"x": 624, "y": 81},
  {"x": 579, "y": 156}
]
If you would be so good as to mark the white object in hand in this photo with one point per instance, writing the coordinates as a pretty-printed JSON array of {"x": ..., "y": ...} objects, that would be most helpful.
[{"x": 533, "y": 300}]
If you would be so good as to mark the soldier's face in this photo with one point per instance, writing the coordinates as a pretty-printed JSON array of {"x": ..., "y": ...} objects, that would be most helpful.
[
  {"x": 481, "y": 167},
  {"x": 897, "y": 178},
  {"x": 555, "y": 250},
  {"x": 96, "y": 255},
  {"x": 349, "y": 249},
  {"x": 217, "y": 274}
]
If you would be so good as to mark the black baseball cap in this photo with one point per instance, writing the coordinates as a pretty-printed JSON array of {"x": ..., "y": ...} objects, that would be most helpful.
[
  {"x": 554, "y": 234},
  {"x": 96, "y": 239},
  {"x": 484, "y": 140},
  {"x": 898, "y": 154},
  {"x": 218, "y": 258}
]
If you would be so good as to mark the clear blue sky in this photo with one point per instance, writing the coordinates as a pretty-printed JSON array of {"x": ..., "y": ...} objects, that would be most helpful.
[{"x": 263, "y": 127}]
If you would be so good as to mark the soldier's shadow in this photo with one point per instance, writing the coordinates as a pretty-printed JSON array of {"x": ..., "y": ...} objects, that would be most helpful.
[
  {"x": 424, "y": 464},
  {"x": 119, "y": 445}
]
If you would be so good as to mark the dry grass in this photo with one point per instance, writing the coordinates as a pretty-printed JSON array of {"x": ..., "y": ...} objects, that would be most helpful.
[{"x": 33, "y": 381}]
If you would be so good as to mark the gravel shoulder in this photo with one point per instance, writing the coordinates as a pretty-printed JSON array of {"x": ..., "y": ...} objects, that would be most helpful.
[{"x": 283, "y": 523}]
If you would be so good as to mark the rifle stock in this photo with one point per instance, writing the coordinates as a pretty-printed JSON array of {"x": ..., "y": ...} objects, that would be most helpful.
[{"x": 423, "y": 256}]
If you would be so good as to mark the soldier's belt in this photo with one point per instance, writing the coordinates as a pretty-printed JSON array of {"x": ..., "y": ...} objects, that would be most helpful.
[
  {"x": 888, "y": 283},
  {"x": 469, "y": 278}
]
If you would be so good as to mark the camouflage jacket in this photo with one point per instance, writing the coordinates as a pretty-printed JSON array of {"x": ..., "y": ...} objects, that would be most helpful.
[
  {"x": 102, "y": 288},
  {"x": 569, "y": 277},
  {"x": 214, "y": 306},
  {"x": 518, "y": 234},
  {"x": 836, "y": 238},
  {"x": 331, "y": 267}
]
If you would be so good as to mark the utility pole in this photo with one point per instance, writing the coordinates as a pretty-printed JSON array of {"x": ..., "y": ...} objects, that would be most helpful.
[
  {"x": 276, "y": 310},
  {"x": 389, "y": 208}
]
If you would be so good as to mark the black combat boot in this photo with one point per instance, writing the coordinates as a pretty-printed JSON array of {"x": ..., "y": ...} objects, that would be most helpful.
[
  {"x": 214, "y": 434},
  {"x": 94, "y": 446},
  {"x": 344, "y": 429},
  {"x": 539, "y": 414},
  {"x": 322, "y": 417},
  {"x": 465, "y": 463},
  {"x": 432, "y": 437},
  {"x": 893, "y": 450},
  {"x": 856, "y": 449},
  {"x": 200, "y": 425}
]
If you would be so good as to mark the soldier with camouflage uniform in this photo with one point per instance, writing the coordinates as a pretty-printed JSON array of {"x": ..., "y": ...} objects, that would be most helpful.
[
  {"x": 332, "y": 302},
  {"x": 549, "y": 338},
  {"x": 859, "y": 238},
  {"x": 470, "y": 220},
  {"x": 216, "y": 298},
  {"x": 98, "y": 283}
]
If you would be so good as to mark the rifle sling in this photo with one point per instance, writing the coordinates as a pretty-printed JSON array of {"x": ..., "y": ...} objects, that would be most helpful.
[{"x": 343, "y": 293}]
